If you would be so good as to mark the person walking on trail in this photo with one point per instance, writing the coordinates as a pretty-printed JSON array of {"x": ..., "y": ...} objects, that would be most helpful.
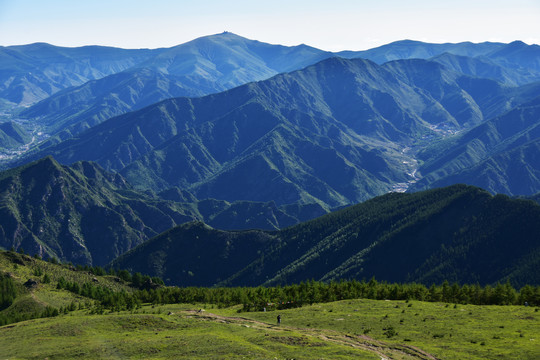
[{"x": 279, "y": 319}]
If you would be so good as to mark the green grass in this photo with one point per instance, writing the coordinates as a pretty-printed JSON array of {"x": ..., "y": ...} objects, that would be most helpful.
[
  {"x": 340, "y": 330},
  {"x": 152, "y": 336},
  {"x": 24, "y": 267},
  {"x": 445, "y": 330}
]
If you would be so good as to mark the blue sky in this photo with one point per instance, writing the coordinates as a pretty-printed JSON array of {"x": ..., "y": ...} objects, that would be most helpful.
[{"x": 330, "y": 25}]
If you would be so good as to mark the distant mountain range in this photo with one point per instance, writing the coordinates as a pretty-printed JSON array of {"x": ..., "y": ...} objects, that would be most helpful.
[
  {"x": 516, "y": 55},
  {"x": 30, "y": 73},
  {"x": 241, "y": 134},
  {"x": 203, "y": 66},
  {"x": 335, "y": 133},
  {"x": 459, "y": 233}
]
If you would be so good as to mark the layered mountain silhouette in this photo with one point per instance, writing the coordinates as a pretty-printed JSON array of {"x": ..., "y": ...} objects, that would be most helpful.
[
  {"x": 203, "y": 66},
  {"x": 516, "y": 56},
  {"x": 240, "y": 134},
  {"x": 219, "y": 62},
  {"x": 86, "y": 215},
  {"x": 333, "y": 133},
  {"x": 29, "y": 73},
  {"x": 459, "y": 233},
  {"x": 411, "y": 49}
]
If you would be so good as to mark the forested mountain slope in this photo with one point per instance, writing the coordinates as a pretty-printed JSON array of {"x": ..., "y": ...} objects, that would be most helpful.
[
  {"x": 459, "y": 233},
  {"x": 83, "y": 214},
  {"x": 77, "y": 213},
  {"x": 12, "y": 135}
]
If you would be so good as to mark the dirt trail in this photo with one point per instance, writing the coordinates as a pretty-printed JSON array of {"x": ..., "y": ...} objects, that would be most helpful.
[{"x": 383, "y": 350}]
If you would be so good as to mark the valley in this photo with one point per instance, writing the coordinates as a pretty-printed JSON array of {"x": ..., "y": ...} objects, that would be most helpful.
[
  {"x": 35, "y": 132},
  {"x": 412, "y": 163},
  {"x": 439, "y": 132}
]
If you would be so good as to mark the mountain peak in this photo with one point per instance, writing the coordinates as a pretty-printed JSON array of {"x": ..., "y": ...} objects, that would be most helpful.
[
  {"x": 517, "y": 43},
  {"x": 226, "y": 35},
  {"x": 46, "y": 162},
  {"x": 196, "y": 225}
]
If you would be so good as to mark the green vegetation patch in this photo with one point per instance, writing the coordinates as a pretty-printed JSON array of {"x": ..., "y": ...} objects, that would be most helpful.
[
  {"x": 447, "y": 331},
  {"x": 153, "y": 336}
]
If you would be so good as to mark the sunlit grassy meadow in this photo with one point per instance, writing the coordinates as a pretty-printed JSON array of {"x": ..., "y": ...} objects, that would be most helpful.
[{"x": 360, "y": 329}]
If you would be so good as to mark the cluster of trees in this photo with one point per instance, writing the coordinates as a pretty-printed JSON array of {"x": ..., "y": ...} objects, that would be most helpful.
[
  {"x": 8, "y": 292},
  {"x": 137, "y": 280},
  {"x": 11, "y": 318},
  {"x": 114, "y": 300},
  {"x": 150, "y": 290},
  {"x": 49, "y": 311}
]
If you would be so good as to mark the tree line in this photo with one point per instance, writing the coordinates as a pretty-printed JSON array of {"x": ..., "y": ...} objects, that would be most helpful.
[
  {"x": 310, "y": 292},
  {"x": 145, "y": 289},
  {"x": 306, "y": 293}
]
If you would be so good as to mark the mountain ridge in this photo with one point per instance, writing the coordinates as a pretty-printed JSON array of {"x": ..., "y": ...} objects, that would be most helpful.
[
  {"x": 83, "y": 214},
  {"x": 359, "y": 115},
  {"x": 476, "y": 156},
  {"x": 458, "y": 233},
  {"x": 30, "y": 73}
]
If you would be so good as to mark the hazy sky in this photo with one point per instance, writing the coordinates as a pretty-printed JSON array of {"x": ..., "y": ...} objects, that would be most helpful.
[{"x": 329, "y": 24}]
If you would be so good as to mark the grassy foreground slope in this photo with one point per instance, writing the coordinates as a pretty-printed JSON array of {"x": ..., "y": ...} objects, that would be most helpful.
[
  {"x": 33, "y": 284},
  {"x": 161, "y": 337},
  {"x": 359, "y": 329},
  {"x": 443, "y": 330}
]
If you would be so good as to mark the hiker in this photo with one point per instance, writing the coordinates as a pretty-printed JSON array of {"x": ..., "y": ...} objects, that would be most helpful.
[{"x": 279, "y": 319}]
